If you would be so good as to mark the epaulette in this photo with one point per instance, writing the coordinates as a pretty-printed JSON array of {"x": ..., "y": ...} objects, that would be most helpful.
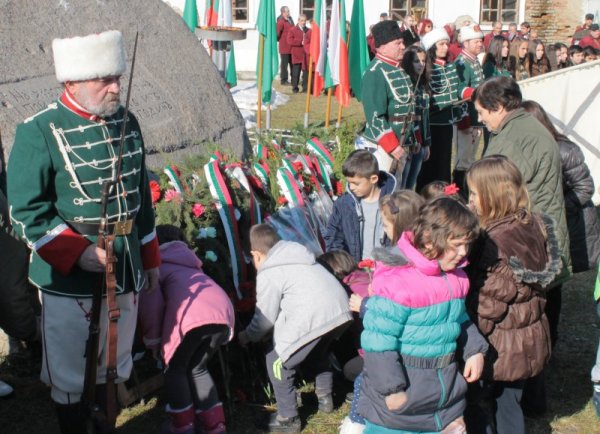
[{"x": 52, "y": 106}]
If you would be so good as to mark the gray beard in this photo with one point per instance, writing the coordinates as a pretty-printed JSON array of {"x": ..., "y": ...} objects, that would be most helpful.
[{"x": 106, "y": 108}]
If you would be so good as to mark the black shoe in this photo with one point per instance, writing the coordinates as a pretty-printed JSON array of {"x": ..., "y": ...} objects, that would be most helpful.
[
  {"x": 274, "y": 423},
  {"x": 349, "y": 397},
  {"x": 325, "y": 403},
  {"x": 295, "y": 90}
]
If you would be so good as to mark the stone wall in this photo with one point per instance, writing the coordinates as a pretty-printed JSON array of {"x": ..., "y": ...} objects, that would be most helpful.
[{"x": 554, "y": 20}]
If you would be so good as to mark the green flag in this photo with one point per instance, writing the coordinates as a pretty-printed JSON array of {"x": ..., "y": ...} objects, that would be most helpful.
[
  {"x": 266, "y": 26},
  {"x": 190, "y": 15},
  {"x": 230, "y": 75},
  {"x": 358, "y": 55}
]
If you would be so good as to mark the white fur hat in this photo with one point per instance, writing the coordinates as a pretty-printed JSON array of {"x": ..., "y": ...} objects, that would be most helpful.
[
  {"x": 88, "y": 57},
  {"x": 470, "y": 32},
  {"x": 431, "y": 38}
]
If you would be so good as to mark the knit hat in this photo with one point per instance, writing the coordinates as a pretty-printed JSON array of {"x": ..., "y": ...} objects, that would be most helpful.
[
  {"x": 431, "y": 38},
  {"x": 385, "y": 31},
  {"x": 89, "y": 57},
  {"x": 470, "y": 32}
]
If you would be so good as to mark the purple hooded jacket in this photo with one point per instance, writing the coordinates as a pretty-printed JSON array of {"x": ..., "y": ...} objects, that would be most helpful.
[{"x": 187, "y": 299}]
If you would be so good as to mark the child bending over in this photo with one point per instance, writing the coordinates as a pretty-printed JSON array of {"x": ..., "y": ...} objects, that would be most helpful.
[{"x": 187, "y": 320}]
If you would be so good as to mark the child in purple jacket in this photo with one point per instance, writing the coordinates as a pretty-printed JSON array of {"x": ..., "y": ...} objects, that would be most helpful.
[{"x": 187, "y": 320}]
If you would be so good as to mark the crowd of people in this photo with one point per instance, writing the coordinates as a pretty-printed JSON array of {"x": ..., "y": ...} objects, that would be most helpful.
[
  {"x": 448, "y": 299},
  {"x": 517, "y": 51}
]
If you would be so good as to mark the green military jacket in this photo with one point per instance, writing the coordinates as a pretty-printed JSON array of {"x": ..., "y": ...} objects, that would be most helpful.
[
  {"x": 444, "y": 94},
  {"x": 60, "y": 159},
  {"x": 470, "y": 75},
  {"x": 388, "y": 103}
]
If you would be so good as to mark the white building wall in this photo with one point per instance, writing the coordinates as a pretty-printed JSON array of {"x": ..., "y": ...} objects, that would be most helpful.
[{"x": 439, "y": 11}]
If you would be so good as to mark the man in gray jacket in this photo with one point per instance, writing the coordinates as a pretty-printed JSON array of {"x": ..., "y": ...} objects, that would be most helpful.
[{"x": 306, "y": 308}]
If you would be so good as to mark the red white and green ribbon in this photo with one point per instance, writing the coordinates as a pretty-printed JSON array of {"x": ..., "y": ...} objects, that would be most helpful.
[
  {"x": 316, "y": 147},
  {"x": 323, "y": 175},
  {"x": 220, "y": 192},
  {"x": 261, "y": 151},
  {"x": 216, "y": 156},
  {"x": 174, "y": 180},
  {"x": 238, "y": 173},
  {"x": 289, "y": 187},
  {"x": 287, "y": 163},
  {"x": 262, "y": 171}
]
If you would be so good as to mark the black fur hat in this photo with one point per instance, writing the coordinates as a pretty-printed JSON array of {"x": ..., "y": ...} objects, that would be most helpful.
[{"x": 386, "y": 31}]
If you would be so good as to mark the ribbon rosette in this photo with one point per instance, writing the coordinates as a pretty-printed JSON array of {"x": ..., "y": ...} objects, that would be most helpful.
[{"x": 451, "y": 189}]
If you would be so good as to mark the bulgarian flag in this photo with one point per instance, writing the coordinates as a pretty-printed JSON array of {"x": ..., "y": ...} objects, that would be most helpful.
[
  {"x": 358, "y": 55},
  {"x": 266, "y": 26},
  {"x": 190, "y": 15},
  {"x": 218, "y": 13},
  {"x": 318, "y": 46},
  {"x": 337, "y": 73}
]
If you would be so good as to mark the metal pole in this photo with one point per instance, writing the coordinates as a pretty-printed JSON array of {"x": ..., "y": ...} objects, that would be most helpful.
[
  {"x": 261, "y": 55},
  {"x": 308, "y": 91}
]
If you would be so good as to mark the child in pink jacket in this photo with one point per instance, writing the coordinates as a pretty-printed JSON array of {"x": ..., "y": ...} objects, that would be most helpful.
[{"x": 187, "y": 320}]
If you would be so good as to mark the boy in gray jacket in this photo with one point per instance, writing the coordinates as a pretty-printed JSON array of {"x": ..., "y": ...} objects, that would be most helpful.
[{"x": 306, "y": 308}]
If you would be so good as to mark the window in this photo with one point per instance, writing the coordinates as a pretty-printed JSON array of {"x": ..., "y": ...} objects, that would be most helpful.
[
  {"x": 399, "y": 8},
  {"x": 239, "y": 10},
  {"x": 307, "y": 7},
  {"x": 499, "y": 10}
]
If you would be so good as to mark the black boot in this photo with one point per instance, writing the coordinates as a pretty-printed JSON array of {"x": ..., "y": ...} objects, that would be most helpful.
[{"x": 71, "y": 419}]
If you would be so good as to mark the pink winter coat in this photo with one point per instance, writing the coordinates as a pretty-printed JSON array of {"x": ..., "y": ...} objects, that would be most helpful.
[{"x": 187, "y": 299}]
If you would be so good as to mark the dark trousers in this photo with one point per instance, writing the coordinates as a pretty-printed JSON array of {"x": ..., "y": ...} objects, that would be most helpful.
[
  {"x": 508, "y": 415},
  {"x": 496, "y": 404},
  {"x": 437, "y": 168},
  {"x": 553, "y": 306},
  {"x": 296, "y": 70},
  {"x": 286, "y": 64},
  {"x": 187, "y": 380},
  {"x": 314, "y": 358}
]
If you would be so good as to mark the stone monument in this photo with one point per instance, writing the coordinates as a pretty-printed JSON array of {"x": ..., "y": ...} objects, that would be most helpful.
[{"x": 177, "y": 95}]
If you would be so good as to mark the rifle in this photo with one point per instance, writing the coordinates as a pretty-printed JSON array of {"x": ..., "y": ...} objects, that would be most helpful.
[{"x": 95, "y": 418}]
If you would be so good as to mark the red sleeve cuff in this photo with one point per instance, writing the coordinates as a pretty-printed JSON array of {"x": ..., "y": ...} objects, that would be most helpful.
[
  {"x": 64, "y": 250},
  {"x": 389, "y": 142},
  {"x": 150, "y": 254},
  {"x": 467, "y": 92}
]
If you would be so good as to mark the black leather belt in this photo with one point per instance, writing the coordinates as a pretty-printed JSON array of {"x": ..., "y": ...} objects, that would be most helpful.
[{"x": 122, "y": 227}]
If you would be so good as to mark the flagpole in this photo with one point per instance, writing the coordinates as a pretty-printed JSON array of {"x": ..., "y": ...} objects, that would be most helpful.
[
  {"x": 308, "y": 91},
  {"x": 328, "y": 111},
  {"x": 338, "y": 124},
  {"x": 261, "y": 55},
  {"x": 268, "y": 121}
]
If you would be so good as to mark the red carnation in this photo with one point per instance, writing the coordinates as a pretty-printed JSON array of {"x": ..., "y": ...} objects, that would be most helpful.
[
  {"x": 155, "y": 191},
  {"x": 298, "y": 167},
  {"x": 282, "y": 200},
  {"x": 366, "y": 263},
  {"x": 451, "y": 189}
]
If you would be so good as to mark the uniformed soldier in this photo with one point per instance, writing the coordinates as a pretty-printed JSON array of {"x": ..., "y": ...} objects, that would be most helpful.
[
  {"x": 60, "y": 159},
  {"x": 444, "y": 110},
  {"x": 388, "y": 99},
  {"x": 470, "y": 74}
]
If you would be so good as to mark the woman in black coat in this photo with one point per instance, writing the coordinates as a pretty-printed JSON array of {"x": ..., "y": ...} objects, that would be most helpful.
[{"x": 578, "y": 188}]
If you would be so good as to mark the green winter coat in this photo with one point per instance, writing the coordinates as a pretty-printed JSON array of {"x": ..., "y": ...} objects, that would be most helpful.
[{"x": 529, "y": 145}]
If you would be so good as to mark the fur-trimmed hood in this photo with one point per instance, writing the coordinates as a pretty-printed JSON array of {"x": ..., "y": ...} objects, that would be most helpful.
[
  {"x": 553, "y": 266},
  {"x": 390, "y": 256}
]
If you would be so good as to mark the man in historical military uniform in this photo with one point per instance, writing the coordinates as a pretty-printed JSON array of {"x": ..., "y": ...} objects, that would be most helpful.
[
  {"x": 388, "y": 99},
  {"x": 60, "y": 159},
  {"x": 470, "y": 74}
]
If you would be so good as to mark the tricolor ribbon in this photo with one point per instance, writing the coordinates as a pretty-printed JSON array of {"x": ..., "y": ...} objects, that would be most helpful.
[
  {"x": 262, "y": 171},
  {"x": 238, "y": 173},
  {"x": 289, "y": 187},
  {"x": 323, "y": 175},
  {"x": 261, "y": 151},
  {"x": 317, "y": 148},
  {"x": 220, "y": 193},
  {"x": 174, "y": 180}
]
